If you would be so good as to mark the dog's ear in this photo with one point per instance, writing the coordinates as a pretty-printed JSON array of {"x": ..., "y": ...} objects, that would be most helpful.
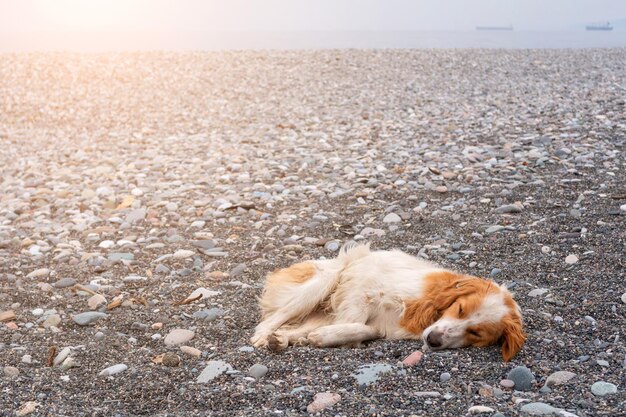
[
  {"x": 418, "y": 315},
  {"x": 513, "y": 337}
]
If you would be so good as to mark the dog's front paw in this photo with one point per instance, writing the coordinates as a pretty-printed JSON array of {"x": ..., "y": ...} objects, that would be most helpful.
[
  {"x": 315, "y": 338},
  {"x": 277, "y": 342},
  {"x": 259, "y": 340}
]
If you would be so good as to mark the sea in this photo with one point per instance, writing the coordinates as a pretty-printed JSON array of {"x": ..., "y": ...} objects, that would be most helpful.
[{"x": 211, "y": 41}]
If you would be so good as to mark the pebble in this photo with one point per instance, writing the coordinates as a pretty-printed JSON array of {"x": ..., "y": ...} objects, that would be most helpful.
[
  {"x": 392, "y": 218},
  {"x": 11, "y": 371},
  {"x": 493, "y": 229},
  {"x": 322, "y": 401},
  {"x": 507, "y": 383},
  {"x": 538, "y": 292},
  {"x": 623, "y": 298},
  {"x": 444, "y": 377},
  {"x": 559, "y": 378},
  {"x": 171, "y": 359},
  {"x": 413, "y": 359},
  {"x": 191, "y": 351},
  {"x": 213, "y": 370},
  {"x": 88, "y": 318},
  {"x": 257, "y": 371},
  {"x": 112, "y": 370},
  {"x": 509, "y": 209},
  {"x": 209, "y": 315},
  {"x": 332, "y": 246},
  {"x": 64, "y": 283},
  {"x": 571, "y": 259},
  {"x": 539, "y": 409},
  {"x": 61, "y": 356},
  {"x": 603, "y": 363},
  {"x": 545, "y": 249},
  {"x": 184, "y": 254},
  {"x": 522, "y": 377},
  {"x": 96, "y": 301},
  {"x": 480, "y": 409},
  {"x": 178, "y": 337},
  {"x": 27, "y": 408},
  {"x": 601, "y": 388}
]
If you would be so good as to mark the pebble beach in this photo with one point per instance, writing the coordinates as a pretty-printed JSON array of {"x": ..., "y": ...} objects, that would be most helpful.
[{"x": 145, "y": 196}]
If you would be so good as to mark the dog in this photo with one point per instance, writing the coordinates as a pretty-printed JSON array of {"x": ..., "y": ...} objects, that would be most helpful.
[{"x": 364, "y": 295}]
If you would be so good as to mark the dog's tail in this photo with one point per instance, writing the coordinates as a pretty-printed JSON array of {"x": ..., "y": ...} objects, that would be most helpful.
[{"x": 351, "y": 251}]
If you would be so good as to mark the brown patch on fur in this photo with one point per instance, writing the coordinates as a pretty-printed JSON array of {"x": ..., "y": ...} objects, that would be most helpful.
[
  {"x": 295, "y": 274},
  {"x": 441, "y": 290},
  {"x": 422, "y": 312}
]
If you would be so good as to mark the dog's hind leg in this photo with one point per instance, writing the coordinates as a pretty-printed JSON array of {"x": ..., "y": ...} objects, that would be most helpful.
[{"x": 294, "y": 335}]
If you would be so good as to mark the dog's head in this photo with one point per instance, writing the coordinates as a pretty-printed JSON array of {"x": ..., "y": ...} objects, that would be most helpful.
[{"x": 470, "y": 311}]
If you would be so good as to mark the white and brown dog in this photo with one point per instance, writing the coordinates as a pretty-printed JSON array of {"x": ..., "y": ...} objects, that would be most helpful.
[{"x": 363, "y": 295}]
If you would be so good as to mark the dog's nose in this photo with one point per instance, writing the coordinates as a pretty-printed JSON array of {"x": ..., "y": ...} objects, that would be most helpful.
[{"x": 435, "y": 339}]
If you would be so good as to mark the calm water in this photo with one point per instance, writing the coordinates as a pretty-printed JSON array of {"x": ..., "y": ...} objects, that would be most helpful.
[{"x": 98, "y": 42}]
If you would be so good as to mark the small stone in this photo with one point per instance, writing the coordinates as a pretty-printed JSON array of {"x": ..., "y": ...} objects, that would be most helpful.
[
  {"x": 623, "y": 298},
  {"x": 539, "y": 409},
  {"x": 209, "y": 315},
  {"x": 200, "y": 294},
  {"x": 112, "y": 370},
  {"x": 322, "y": 401},
  {"x": 171, "y": 359},
  {"x": 392, "y": 218},
  {"x": 135, "y": 216},
  {"x": 441, "y": 189},
  {"x": 507, "y": 383},
  {"x": 413, "y": 359},
  {"x": 257, "y": 371},
  {"x": 64, "y": 283},
  {"x": 332, "y": 246},
  {"x": 88, "y": 318},
  {"x": 61, "y": 356},
  {"x": 8, "y": 315},
  {"x": 603, "y": 363},
  {"x": 493, "y": 229},
  {"x": 238, "y": 270},
  {"x": 545, "y": 249},
  {"x": 369, "y": 231},
  {"x": 11, "y": 371},
  {"x": 601, "y": 388},
  {"x": 69, "y": 363},
  {"x": 191, "y": 351},
  {"x": 213, "y": 370},
  {"x": 38, "y": 273},
  {"x": 509, "y": 209},
  {"x": 559, "y": 378},
  {"x": 479, "y": 409},
  {"x": 246, "y": 349},
  {"x": 183, "y": 253},
  {"x": 538, "y": 292},
  {"x": 27, "y": 408},
  {"x": 96, "y": 301},
  {"x": 445, "y": 377},
  {"x": 571, "y": 259},
  {"x": 494, "y": 272},
  {"x": 522, "y": 377},
  {"x": 178, "y": 337}
]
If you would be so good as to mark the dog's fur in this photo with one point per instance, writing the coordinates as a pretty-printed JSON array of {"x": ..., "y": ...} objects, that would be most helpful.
[{"x": 363, "y": 295}]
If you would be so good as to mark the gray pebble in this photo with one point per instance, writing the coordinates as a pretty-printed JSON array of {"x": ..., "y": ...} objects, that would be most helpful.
[
  {"x": 601, "y": 388},
  {"x": 257, "y": 371},
  {"x": 444, "y": 377},
  {"x": 64, "y": 283},
  {"x": 88, "y": 318},
  {"x": 522, "y": 377}
]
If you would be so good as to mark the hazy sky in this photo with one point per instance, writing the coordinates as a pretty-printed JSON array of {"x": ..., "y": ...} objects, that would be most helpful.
[{"x": 300, "y": 15}]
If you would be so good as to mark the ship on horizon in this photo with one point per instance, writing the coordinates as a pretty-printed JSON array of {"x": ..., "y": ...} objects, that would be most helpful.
[
  {"x": 600, "y": 26},
  {"x": 509, "y": 27}
]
